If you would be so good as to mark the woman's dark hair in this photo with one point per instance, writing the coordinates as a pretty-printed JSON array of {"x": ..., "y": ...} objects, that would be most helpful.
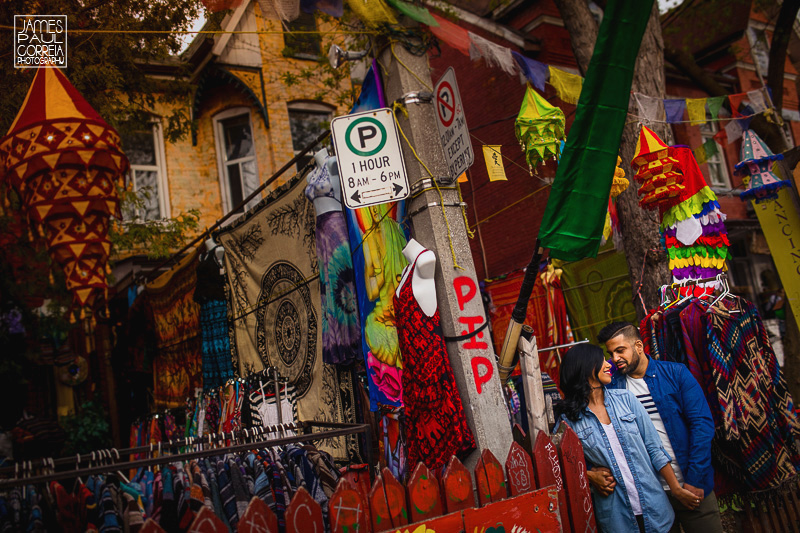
[{"x": 579, "y": 364}]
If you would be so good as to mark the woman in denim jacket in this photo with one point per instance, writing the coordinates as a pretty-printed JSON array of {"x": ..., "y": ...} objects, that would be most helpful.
[{"x": 617, "y": 433}]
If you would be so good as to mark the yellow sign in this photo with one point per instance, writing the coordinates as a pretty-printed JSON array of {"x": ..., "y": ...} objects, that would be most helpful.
[
  {"x": 494, "y": 162},
  {"x": 780, "y": 223}
]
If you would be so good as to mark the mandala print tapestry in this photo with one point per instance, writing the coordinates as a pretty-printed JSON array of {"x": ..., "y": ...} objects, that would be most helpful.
[
  {"x": 274, "y": 304},
  {"x": 176, "y": 367}
]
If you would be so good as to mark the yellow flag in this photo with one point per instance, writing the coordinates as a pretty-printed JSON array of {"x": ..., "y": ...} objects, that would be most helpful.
[
  {"x": 494, "y": 163},
  {"x": 697, "y": 110},
  {"x": 568, "y": 86}
]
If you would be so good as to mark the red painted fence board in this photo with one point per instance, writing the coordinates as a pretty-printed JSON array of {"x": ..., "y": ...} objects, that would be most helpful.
[
  {"x": 457, "y": 485},
  {"x": 576, "y": 484},
  {"x": 304, "y": 515},
  {"x": 347, "y": 511},
  {"x": 387, "y": 501},
  {"x": 548, "y": 471},
  {"x": 207, "y": 522},
  {"x": 519, "y": 470},
  {"x": 424, "y": 499},
  {"x": 532, "y": 511},
  {"x": 490, "y": 479},
  {"x": 258, "y": 518}
]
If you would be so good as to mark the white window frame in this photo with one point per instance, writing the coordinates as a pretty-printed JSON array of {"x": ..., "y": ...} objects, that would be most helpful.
[
  {"x": 707, "y": 131},
  {"x": 222, "y": 164},
  {"x": 160, "y": 168}
]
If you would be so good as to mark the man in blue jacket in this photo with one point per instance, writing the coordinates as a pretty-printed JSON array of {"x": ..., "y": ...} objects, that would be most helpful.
[{"x": 679, "y": 411}]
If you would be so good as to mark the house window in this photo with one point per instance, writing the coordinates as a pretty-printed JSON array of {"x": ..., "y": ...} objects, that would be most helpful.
[
  {"x": 147, "y": 177},
  {"x": 236, "y": 157},
  {"x": 717, "y": 175},
  {"x": 300, "y": 44},
  {"x": 306, "y": 121}
]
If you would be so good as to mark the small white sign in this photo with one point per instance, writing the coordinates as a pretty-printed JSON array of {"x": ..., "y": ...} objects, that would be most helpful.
[
  {"x": 371, "y": 166},
  {"x": 452, "y": 125},
  {"x": 40, "y": 41}
]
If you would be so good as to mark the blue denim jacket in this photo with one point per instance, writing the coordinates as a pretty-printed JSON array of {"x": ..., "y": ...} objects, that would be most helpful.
[
  {"x": 683, "y": 408},
  {"x": 646, "y": 456}
]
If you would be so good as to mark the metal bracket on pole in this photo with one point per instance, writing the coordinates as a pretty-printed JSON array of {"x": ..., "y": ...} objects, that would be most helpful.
[
  {"x": 436, "y": 204},
  {"x": 425, "y": 184},
  {"x": 416, "y": 97}
]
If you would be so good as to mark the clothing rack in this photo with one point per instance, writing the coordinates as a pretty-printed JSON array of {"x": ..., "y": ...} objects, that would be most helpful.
[{"x": 111, "y": 457}]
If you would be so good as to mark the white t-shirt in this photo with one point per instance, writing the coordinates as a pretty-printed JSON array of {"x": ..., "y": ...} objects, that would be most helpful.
[
  {"x": 622, "y": 463},
  {"x": 642, "y": 392}
]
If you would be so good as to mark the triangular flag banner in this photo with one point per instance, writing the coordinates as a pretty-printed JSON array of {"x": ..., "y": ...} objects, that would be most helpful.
[
  {"x": 651, "y": 109},
  {"x": 733, "y": 130},
  {"x": 534, "y": 71},
  {"x": 700, "y": 154},
  {"x": 721, "y": 137},
  {"x": 674, "y": 109},
  {"x": 711, "y": 148},
  {"x": 714, "y": 104},
  {"x": 697, "y": 110},
  {"x": 586, "y": 170},
  {"x": 568, "y": 86},
  {"x": 495, "y": 55},
  {"x": 418, "y": 13},
  {"x": 451, "y": 34},
  {"x": 494, "y": 162},
  {"x": 736, "y": 101},
  {"x": 757, "y": 102}
]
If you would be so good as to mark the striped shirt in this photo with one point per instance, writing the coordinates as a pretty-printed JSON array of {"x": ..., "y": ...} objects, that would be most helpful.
[{"x": 642, "y": 392}]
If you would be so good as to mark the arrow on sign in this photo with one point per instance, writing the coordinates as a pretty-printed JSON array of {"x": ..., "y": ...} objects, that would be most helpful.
[
  {"x": 356, "y": 196},
  {"x": 397, "y": 189}
]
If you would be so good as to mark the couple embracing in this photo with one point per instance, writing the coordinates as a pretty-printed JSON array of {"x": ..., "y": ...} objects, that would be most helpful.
[{"x": 646, "y": 431}]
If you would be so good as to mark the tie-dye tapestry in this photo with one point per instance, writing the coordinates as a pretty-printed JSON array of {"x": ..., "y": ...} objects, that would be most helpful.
[
  {"x": 377, "y": 240},
  {"x": 274, "y": 307}
]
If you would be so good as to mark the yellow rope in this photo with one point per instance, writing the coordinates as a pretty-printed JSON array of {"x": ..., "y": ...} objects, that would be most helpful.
[
  {"x": 211, "y": 32},
  {"x": 408, "y": 69},
  {"x": 470, "y": 233},
  {"x": 395, "y": 107}
]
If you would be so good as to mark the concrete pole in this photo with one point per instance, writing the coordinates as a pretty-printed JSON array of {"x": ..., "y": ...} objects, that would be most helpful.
[{"x": 460, "y": 304}]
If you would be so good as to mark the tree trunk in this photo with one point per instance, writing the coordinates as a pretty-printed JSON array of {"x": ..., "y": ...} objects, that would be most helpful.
[{"x": 647, "y": 260}]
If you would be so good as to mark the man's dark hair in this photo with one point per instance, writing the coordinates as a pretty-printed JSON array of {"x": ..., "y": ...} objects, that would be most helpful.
[{"x": 616, "y": 329}]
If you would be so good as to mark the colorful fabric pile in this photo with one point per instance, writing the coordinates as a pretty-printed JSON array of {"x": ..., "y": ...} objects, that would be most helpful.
[
  {"x": 756, "y": 163},
  {"x": 64, "y": 162},
  {"x": 692, "y": 225},
  {"x": 539, "y": 128}
]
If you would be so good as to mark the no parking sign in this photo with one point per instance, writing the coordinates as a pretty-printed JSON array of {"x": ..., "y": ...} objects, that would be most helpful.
[{"x": 452, "y": 125}]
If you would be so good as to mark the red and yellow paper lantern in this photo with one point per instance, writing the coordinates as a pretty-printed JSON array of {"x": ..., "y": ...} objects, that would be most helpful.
[{"x": 64, "y": 160}]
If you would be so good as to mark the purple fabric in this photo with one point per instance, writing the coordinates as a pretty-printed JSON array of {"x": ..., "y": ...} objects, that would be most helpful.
[
  {"x": 534, "y": 71},
  {"x": 376, "y": 72},
  {"x": 694, "y": 272},
  {"x": 674, "y": 109},
  {"x": 717, "y": 228}
]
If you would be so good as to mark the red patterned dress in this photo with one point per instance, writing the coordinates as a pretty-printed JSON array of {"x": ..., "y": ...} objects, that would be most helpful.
[{"x": 436, "y": 426}]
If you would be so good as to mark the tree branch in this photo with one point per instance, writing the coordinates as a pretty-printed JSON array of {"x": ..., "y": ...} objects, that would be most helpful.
[
  {"x": 777, "y": 51},
  {"x": 582, "y": 28}
]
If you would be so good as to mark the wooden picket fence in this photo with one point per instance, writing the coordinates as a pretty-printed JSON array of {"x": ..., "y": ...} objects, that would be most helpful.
[{"x": 546, "y": 492}]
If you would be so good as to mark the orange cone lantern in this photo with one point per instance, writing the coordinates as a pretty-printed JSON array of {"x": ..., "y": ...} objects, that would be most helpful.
[{"x": 64, "y": 160}]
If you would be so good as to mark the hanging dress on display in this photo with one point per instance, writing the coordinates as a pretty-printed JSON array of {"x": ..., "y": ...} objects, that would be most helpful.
[
  {"x": 436, "y": 427},
  {"x": 341, "y": 327}
]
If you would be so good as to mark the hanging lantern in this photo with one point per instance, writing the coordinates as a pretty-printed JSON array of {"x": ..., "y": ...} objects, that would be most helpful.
[
  {"x": 64, "y": 160},
  {"x": 756, "y": 163},
  {"x": 619, "y": 184},
  {"x": 539, "y": 128},
  {"x": 655, "y": 171}
]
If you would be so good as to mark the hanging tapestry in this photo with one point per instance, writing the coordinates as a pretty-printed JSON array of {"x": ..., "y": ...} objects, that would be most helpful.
[
  {"x": 583, "y": 180},
  {"x": 377, "y": 240},
  {"x": 274, "y": 302},
  {"x": 176, "y": 368},
  {"x": 546, "y": 314},
  {"x": 602, "y": 292}
]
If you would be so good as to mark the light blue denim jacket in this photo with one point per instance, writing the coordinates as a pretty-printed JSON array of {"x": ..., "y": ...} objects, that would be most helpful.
[{"x": 646, "y": 456}]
